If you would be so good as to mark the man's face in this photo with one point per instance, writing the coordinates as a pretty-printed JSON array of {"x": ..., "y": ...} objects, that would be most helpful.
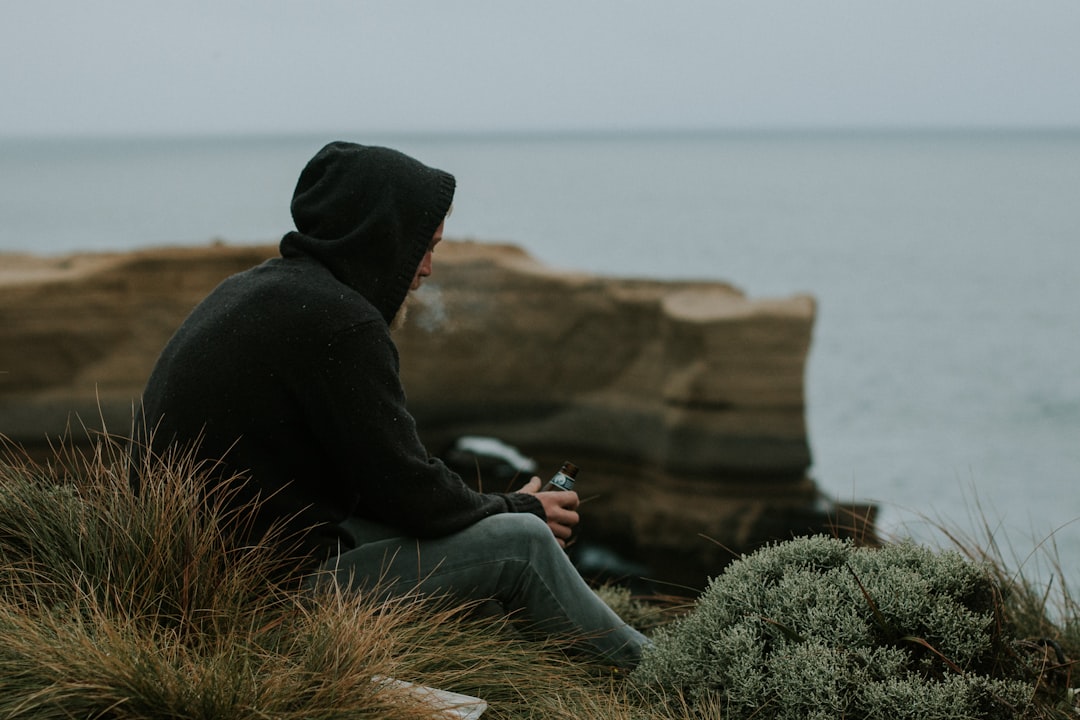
[{"x": 424, "y": 269}]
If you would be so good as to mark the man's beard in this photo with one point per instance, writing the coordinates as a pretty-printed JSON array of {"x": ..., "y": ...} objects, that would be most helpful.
[{"x": 399, "y": 318}]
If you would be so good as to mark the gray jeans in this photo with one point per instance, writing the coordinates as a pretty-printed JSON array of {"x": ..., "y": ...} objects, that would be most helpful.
[{"x": 511, "y": 559}]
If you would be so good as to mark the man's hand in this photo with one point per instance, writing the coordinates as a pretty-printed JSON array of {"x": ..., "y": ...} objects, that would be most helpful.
[{"x": 560, "y": 506}]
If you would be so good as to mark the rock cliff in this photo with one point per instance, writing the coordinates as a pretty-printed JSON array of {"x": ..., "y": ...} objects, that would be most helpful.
[{"x": 681, "y": 401}]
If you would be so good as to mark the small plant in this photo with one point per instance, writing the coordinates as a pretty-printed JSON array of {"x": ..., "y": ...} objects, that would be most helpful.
[
  {"x": 820, "y": 628},
  {"x": 644, "y": 613}
]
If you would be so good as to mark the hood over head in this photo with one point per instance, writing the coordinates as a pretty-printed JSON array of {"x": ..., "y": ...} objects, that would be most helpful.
[{"x": 368, "y": 214}]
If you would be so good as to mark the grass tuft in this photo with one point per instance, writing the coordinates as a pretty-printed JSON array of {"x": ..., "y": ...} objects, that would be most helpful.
[{"x": 117, "y": 604}]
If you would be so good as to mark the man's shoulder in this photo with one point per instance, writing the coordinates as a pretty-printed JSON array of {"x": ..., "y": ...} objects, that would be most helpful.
[
  {"x": 297, "y": 283},
  {"x": 284, "y": 296}
]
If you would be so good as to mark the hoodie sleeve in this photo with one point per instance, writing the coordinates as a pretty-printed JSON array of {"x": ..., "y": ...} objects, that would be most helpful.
[{"x": 356, "y": 404}]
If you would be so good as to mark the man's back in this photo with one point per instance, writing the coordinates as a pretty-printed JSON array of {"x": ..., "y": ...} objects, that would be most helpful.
[{"x": 237, "y": 377}]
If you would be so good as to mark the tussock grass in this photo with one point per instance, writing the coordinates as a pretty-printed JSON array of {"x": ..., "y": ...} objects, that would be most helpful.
[
  {"x": 117, "y": 604},
  {"x": 122, "y": 604}
]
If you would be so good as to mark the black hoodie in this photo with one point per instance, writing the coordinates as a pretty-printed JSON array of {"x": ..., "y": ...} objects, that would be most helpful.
[{"x": 287, "y": 372}]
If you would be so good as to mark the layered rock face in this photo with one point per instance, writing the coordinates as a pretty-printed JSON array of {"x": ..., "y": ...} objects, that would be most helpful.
[
  {"x": 79, "y": 334},
  {"x": 681, "y": 401}
]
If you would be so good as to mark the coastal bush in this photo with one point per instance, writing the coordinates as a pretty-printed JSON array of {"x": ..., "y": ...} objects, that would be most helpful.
[{"x": 819, "y": 628}]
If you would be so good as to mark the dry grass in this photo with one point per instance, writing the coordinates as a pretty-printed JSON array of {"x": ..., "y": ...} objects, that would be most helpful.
[{"x": 116, "y": 604}]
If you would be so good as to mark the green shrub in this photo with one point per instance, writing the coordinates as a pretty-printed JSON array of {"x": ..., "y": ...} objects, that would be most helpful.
[{"x": 820, "y": 628}]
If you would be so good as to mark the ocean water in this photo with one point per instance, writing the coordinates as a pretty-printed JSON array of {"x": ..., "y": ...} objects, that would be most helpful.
[{"x": 944, "y": 377}]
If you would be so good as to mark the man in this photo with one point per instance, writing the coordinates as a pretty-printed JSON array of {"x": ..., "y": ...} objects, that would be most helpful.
[{"x": 287, "y": 373}]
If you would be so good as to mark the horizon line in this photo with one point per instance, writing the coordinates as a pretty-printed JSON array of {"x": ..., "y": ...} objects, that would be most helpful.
[{"x": 584, "y": 132}]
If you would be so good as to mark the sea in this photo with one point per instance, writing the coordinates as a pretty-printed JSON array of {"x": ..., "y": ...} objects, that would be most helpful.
[{"x": 943, "y": 381}]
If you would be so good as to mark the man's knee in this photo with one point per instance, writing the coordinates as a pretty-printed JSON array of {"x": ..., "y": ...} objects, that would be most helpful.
[{"x": 516, "y": 528}]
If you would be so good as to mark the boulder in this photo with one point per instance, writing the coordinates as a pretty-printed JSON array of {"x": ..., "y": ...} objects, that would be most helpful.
[{"x": 682, "y": 401}]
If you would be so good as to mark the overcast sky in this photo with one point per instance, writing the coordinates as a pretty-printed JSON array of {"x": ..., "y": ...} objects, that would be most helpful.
[{"x": 270, "y": 66}]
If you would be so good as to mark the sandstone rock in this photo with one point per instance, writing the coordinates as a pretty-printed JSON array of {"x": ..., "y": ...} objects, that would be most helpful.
[
  {"x": 79, "y": 334},
  {"x": 682, "y": 401},
  {"x": 687, "y": 378}
]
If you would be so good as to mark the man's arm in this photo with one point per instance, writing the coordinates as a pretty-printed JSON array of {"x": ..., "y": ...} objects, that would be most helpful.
[{"x": 353, "y": 401}]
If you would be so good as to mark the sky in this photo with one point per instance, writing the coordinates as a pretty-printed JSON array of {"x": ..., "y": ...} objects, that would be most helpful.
[{"x": 147, "y": 67}]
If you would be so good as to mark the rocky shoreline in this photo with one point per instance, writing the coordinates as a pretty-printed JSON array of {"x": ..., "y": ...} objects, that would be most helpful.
[{"x": 683, "y": 402}]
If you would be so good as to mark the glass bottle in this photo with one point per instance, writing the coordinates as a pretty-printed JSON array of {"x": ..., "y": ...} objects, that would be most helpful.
[{"x": 564, "y": 479}]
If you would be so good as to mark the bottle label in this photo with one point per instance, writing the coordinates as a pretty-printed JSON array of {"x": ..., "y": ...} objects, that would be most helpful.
[{"x": 562, "y": 481}]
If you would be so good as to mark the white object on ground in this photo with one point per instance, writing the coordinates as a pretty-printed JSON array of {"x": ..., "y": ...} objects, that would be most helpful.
[{"x": 451, "y": 704}]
